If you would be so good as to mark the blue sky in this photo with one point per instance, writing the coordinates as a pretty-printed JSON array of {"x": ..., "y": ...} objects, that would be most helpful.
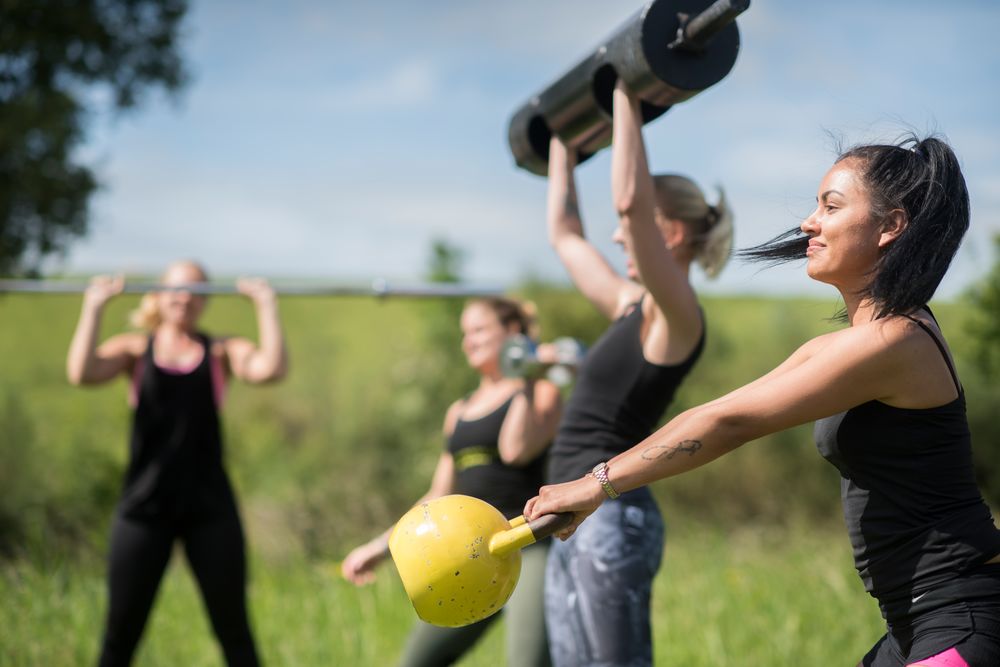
[{"x": 336, "y": 139}]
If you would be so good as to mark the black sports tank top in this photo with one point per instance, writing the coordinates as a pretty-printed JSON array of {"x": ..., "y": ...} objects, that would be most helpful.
[
  {"x": 914, "y": 514},
  {"x": 480, "y": 473},
  {"x": 176, "y": 442},
  {"x": 617, "y": 400}
]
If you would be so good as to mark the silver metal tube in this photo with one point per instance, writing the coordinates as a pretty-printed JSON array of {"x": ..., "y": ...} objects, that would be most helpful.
[
  {"x": 696, "y": 32},
  {"x": 378, "y": 288}
]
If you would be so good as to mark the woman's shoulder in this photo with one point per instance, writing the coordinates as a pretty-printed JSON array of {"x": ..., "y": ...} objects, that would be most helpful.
[
  {"x": 451, "y": 416},
  {"x": 217, "y": 344},
  {"x": 632, "y": 297},
  {"x": 895, "y": 339},
  {"x": 222, "y": 345},
  {"x": 906, "y": 331},
  {"x": 132, "y": 343}
]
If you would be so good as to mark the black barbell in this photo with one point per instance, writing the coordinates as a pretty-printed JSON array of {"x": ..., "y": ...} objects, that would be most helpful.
[{"x": 667, "y": 53}]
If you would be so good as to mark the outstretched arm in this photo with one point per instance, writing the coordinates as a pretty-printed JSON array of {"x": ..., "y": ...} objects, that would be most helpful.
[
  {"x": 86, "y": 362},
  {"x": 359, "y": 565},
  {"x": 851, "y": 368},
  {"x": 634, "y": 199},
  {"x": 267, "y": 361},
  {"x": 589, "y": 271},
  {"x": 530, "y": 424}
]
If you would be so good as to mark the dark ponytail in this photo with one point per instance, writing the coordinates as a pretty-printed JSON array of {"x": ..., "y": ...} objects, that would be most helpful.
[{"x": 923, "y": 178}]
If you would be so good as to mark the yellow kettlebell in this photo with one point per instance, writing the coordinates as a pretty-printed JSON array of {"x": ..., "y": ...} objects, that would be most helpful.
[{"x": 459, "y": 557}]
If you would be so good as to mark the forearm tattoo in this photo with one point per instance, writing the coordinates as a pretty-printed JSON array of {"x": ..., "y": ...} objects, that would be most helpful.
[{"x": 657, "y": 452}]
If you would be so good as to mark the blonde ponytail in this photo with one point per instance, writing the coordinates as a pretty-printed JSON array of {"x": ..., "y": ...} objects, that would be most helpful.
[
  {"x": 709, "y": 228},
  {"x": 716, "y": 243},
  {"x": 147, "y": 315}
]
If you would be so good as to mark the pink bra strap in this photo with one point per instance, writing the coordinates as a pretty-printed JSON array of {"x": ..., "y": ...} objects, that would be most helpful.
[{"x": 216, "y": 370}]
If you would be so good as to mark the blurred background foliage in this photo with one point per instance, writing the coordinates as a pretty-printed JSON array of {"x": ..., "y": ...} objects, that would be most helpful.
[
  {"x": 341, "y": 448},
  {"x": 61, "y": 62}
]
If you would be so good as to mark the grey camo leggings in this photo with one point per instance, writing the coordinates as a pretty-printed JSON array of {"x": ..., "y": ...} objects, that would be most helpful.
[{"x": 598, "y": 585}]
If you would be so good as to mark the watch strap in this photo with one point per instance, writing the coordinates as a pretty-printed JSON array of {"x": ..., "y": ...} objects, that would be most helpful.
[{"x": 600, "y": 473}]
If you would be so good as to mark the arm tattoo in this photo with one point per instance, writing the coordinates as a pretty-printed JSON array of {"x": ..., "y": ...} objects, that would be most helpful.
[{"x": 656, "y": 452}]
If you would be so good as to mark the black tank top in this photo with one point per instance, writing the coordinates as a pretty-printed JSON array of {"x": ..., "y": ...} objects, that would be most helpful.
[
  {"x": 479, "y": 472},
  {"x": 914, "y": 514},
  {"x": 617, "y": 401},
  {"x": 176, "y": 443}
]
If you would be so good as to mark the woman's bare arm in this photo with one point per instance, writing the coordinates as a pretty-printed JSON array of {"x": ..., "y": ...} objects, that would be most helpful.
[
  {"x": 90, "y": 363},
  {"x": 268, "y": 360},
  {"x": 530, "y": 424},
  {"x": 588, "y": 269},
  {"x": 852, "y": 367},
  {"x": 635, "y": 201}
]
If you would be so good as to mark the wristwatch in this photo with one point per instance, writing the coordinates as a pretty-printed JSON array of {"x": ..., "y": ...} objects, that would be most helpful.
[{"x": 600, "y": 473}]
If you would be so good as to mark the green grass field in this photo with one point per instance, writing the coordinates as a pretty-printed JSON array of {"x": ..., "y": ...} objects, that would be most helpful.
[
  {"x": 750, "y": 597},
  {"x": 757, "y": 568}
]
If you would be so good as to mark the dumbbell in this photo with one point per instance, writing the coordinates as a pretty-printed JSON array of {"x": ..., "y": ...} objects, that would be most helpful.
[
  {"x": 666, "y": 53},
  {"x": 519, "y": 358}
]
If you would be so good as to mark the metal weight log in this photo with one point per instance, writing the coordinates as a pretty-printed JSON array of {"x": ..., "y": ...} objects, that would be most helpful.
[
  {"x": 667, "y": 53},
  {"x": 519, "y": 358},
  {"x": 378, "y": 288}
]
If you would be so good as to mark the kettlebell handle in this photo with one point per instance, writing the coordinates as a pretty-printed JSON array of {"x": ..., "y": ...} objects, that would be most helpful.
[
  {"x": 523, "y": 533},
  {"x": 549, "y": 524}
]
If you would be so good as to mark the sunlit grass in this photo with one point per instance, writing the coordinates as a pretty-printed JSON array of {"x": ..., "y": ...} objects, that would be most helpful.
[{"x": 754, "y": 597}]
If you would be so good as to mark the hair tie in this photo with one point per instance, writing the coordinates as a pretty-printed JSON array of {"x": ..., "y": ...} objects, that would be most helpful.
[{"x": 712, "y": 216}]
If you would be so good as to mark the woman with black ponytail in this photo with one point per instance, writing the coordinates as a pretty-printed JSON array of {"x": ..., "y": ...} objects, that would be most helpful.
[{"x": 888, "y": 408}]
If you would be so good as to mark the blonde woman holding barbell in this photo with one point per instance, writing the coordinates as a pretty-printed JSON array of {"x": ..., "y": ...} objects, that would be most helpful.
[{"x": 176, "y": 487}]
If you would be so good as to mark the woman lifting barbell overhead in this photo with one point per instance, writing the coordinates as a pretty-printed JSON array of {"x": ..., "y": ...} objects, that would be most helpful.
[
  {"x": 497, "y": 438},
  {"x": 176, "y": 486},
  {"x": 597, "y": 603},
  {"x": 888, "y": 408}
]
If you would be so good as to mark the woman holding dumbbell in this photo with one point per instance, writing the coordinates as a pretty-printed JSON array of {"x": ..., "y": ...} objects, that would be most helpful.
[
  {"x": 497, "y": 438},
  {"x": 598, "y": 583},
  {"x": 176, "y": 486}
]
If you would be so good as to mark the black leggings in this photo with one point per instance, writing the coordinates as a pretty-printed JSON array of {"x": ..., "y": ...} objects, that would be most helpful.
[{"x": 140, "y": 550}]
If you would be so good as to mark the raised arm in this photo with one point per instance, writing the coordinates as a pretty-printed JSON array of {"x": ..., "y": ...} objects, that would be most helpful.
[
  {"x": 634, "y": 199},
  {"x": 86, "y": 362},
  {"x": 851, "y": 368},
  {"x": 531, "y": 422},
  {"x": 359, "y": 565},
  {"x": 268, "y": 360},
  {"x": 587, "y": 268}
]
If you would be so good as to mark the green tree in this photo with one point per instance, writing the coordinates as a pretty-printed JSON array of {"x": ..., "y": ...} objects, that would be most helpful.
[
  {"x": 984, "y": 353},
  {"x": 985, "y": 324},
  {"x": 447, "y": 366},
  {"x": 57, "y": 57}
]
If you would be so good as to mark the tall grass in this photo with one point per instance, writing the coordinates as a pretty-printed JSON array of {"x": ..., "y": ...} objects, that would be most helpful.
[
  {"x": 757, "y": 568},
  {"x": 748, "y": 597}
]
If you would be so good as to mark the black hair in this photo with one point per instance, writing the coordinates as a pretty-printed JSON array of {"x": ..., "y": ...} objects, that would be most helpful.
[{"x": 923, "y": 178}]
